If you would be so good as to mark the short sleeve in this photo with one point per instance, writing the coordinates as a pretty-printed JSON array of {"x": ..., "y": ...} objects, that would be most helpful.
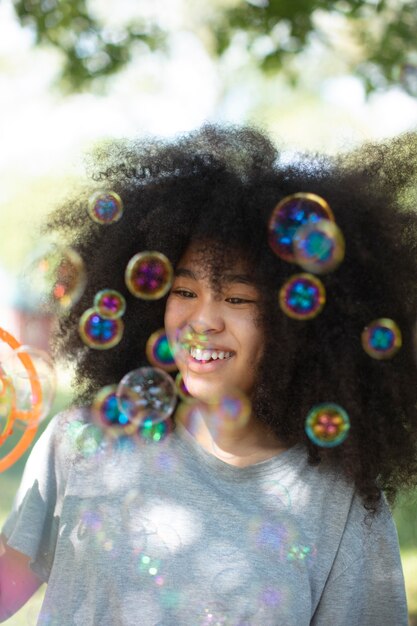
[
  {"x": 32, "y": 526},
  {"x": 367, "y": 588}
]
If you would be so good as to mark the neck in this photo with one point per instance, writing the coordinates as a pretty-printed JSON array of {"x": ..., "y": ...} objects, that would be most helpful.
[{"x": 241, "y": 446}]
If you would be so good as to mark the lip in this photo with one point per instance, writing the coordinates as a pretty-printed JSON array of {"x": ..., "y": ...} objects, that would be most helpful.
[{"x": 211, "y": 366}]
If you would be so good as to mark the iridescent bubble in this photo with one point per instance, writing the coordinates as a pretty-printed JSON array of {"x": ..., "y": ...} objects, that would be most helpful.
[
  {"x": 149, "y": 275},
  {"x": 190, "y": 341},
  {"x": 150, "y": 432},
  {"x": 107, "y": 414},
  {"x": 301, "y": 553},
  {"x": 158, "y": 351},
  {"x": 292, "y": 212},
  {"x": 381, "y": 339},
  {"x": 302, "y": 296},
  {"x": 319, "y": 247},
  {"x": 182, "y": 390},
  {"x": 327, "y": 425},
  {"x": 147, "y": 393},
  {"x": 105, "y": 207},
  {"x": 110, "y": 304},
  {"x": 54, "y": 278},
  {"x": 99, "y": 332},
  {"x": 227, "y": 413},
  {"x": 34, "y": 387}
]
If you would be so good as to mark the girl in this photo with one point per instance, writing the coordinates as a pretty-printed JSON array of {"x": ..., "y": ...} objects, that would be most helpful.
[{"x": 251, "y": 517}]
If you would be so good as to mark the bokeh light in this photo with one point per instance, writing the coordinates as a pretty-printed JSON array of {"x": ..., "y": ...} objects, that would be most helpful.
[{"x": 54, "y": 278}]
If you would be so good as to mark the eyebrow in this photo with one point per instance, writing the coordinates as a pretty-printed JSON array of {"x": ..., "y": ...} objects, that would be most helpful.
[{"x": 228, "y": 278}]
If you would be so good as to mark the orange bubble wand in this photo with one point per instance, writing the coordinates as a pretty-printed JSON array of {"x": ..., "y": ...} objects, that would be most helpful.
[{"x": 31, "y": 417}]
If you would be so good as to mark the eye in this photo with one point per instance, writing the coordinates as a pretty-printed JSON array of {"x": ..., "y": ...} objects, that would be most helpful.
[
  {"x": 239, "y": 301},
  {"x": 183, "y": 293}
]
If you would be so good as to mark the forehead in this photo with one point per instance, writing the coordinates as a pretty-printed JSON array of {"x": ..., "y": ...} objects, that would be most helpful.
[{"x": 212, "y": 261}]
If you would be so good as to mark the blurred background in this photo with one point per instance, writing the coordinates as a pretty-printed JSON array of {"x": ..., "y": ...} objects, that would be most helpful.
[{"x": 317, "y": 75}]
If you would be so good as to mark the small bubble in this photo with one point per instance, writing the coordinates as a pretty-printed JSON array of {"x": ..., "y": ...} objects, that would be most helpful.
[
  {"x": 149, "y": 275},
  {"x": 327, "y": 425},
  {"x": 105, "y": 207}
]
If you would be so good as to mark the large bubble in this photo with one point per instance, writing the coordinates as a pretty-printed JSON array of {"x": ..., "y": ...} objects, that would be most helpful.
[
  {"x": 302, "y": 297},
  {"x": 54, "y": 278},
  {"x": 32, "y": 375},
  {"x": 292, "y": 212},
  {"x": 100, "y": 333},
  {"x": 105, "y": 207},
  {"x": 147, "y": 393},
  {"x": 149, "y": 275},
  {"x": 319, "y": 247},
  {"x": 327, "y": 425},
  {"x": 381, "y": 339}
]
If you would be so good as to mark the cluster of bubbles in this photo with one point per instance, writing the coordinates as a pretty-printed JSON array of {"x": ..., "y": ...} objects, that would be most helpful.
[
  {"x": 27, "y": 391},
  {"x": 302, "y": 230},
  {"x": 101, "y": 326}
]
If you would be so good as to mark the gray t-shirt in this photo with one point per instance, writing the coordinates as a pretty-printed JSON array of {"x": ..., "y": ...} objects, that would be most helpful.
[{"x": 167, "y": 534}]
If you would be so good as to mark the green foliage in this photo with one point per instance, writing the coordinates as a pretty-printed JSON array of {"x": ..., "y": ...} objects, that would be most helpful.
[
  {"x": 383, "y": 32},
  {"x": 90, "y": 49}
]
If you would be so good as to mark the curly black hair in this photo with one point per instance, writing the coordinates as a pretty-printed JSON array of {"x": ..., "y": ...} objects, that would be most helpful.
[{"x": 219, "y": 185}]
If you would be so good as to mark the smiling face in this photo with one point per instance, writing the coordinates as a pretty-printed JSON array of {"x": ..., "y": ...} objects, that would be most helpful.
[{"x": 233, "y": 339}]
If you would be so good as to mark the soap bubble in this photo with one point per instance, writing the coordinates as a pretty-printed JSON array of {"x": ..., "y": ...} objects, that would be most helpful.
[
  {"x": 319, "y": 247},
  {"x": 327, "y": 425},
  {"x": 6, "y": 406},
  {"x": 54, "y": 277},
  {"x": 381, "y": 339},
  {"x": 182, "y": 390},
  {"x": 107, "y": 414},
  {"x": 99, "y": 332},
  {"x": 32, "y": 375},
  {"x": 158, "y": 351},
  {"x": 149, "y": 431},
  {"x": 192, "y": 335},
  {"x": 227, "y": 413},
  {"x": 105, "y": 207},
  {"x": 149, "y": 275},
  {"x": 109, "y": 303},
  {"x": 146, "y": 393},
  {"x": 302, "y": 296},
  {"x": 292, "y": 212}
]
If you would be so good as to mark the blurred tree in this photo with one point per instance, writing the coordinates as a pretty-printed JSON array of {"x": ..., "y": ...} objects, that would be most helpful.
[{"x": 274, "y": 32}]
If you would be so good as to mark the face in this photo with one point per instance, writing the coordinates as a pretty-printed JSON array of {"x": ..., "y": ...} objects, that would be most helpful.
[{"x": 233, "y": 340}]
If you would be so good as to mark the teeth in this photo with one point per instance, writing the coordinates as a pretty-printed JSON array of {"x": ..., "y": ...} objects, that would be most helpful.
[{"x": 206, "y": 355}]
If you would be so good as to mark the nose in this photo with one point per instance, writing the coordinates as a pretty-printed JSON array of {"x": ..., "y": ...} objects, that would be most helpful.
[{"x": 207, "y": 318}]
